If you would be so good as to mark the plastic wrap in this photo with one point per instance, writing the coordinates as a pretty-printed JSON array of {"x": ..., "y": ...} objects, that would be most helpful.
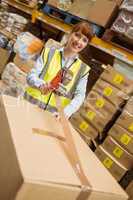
[
  {"x": 14, "y": 78},
  {"x": 28, "y": 45},
  {"x": 124, "y": 24},
  {"x": 127, "y": 5}
]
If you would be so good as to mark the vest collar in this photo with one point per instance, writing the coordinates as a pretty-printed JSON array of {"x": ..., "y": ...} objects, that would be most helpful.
[{"x": 72, "y": 58}]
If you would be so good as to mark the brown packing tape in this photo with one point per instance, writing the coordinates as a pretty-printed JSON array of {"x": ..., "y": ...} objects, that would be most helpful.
[
  {"x": 72, "y": 153},
  {"x": 85, "y": 191},
  {"x": 47, "y": 133}
]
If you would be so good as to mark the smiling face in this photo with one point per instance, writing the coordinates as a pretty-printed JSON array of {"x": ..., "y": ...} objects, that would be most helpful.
[{"x": 77, "y": 42}]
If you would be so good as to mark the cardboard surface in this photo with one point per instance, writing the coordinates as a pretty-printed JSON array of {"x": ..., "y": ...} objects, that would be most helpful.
[
  {"x": 99, "y": 12},
  {"x": 81, "y": 9},
  {"x": 5, "y": 56},
  {"x": 36, "y": 164},
  {"x": 24, "y": 65},
  {"x": 129, "y": 190},
  {"x": 123, "y": 137},
  {"x": 110, "y": 92},
  {"x": 83, "y": 126},
  {"x": 116, "y": 78},
  {"x": 102, "y": 12},
  {"x": 101, "y": 105},
  {"x": 118, "y": 152},
  {"x": 126, "y": 118},
  {"x": 115, "y": 168},
  {"x": 93, "y": 117},
  {"x": 118, "y": 1}
]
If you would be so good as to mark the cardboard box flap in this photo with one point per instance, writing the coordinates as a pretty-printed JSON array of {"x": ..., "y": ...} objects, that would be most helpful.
[{"x": 51, "y": 165}]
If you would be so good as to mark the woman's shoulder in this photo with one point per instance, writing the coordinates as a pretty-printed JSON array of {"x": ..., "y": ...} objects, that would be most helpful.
[{"x": 49, "y": 50}]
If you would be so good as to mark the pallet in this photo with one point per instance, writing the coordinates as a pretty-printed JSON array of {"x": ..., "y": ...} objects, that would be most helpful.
[
  {"x": 68, "y": 18},
  {"x": 118, "y": 40}
]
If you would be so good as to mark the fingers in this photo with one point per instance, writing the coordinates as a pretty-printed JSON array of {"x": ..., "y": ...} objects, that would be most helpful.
[
  {"x": 56, "y": 115},
  {"x": 46, "y": 88}
]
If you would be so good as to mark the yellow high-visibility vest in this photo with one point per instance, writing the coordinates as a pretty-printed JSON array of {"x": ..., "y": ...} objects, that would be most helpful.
[{"x": 53, "y": 62}]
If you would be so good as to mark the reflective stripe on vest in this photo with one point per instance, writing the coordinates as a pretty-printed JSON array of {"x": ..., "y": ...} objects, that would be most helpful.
[{"x": 52, "y": 59}]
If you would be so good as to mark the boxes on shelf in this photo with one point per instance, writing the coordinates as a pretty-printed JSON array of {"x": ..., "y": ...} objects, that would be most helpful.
[
  {"x": 123, "y": 137},
  {"x": 126, "y": 118},
  {"x": 4, "y": 54},
  {"x": 123, "y": 26},
  {"x": 46, "y": 172},
  {"x": 114, "y": 167},
  {"x": 127, "y": 5},
  {"x": 116, "y": 79},
  {"x": 103, "y": 12},
  {"x": 83, "y": 127},
  {"x": 118, "y": 152},
  {"x": 81, "y": 9},
  {"x": 14, "y": 78},
  {"x": 110, "y": 92},
  {"x": 12, "y": 24},
  {"x": 98, "y": 12},
  {"x": 101, "y": 105},
  {"x": 124, "y": 68},
  {"x": 93, "y": 117}
]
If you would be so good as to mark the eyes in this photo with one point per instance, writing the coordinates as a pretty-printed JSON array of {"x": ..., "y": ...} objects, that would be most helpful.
[{"x": 79, "y": 36}]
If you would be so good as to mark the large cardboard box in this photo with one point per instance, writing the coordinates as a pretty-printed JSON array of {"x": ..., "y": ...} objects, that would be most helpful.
[
  {"x": 126, "y": 118},
  {"x": 4, "y": 54},
  {"x": 110, "y": 92},
  {"x": 34, "y": 166},
  {"x": 103, "y": 12},
  {"x": 123, "y": 137},
  {"x": 93, "y": 117},
  {"x": 119, "y": 1},
  {"x": 81, "y": 8},
  {"x": 129, "y": 190},
  {"x": 118, "y": 152},
  {"x": 101, "y": 105},
  {"x": 99, "y": 12},
  {"x": 84, "y": 127},
  {"x": 114, "y": 167},
  {"x": 116, "y": 78}
]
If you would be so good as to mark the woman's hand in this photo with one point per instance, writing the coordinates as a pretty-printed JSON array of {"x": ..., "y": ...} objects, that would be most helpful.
[
  {"x": 57, "y": 116},
  {"x": 46, "y": 88}
]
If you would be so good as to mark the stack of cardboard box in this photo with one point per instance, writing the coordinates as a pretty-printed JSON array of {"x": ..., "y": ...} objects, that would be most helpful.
[
  {"x": 102, "y": 103},
  {"x": 116, "y": 152}
]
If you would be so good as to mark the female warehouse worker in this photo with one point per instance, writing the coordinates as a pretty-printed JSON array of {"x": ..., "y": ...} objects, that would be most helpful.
[{"x": 61, "y": 71}]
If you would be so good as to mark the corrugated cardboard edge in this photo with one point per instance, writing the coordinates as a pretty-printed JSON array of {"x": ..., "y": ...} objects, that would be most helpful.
[
  {"x": 27, "y": 187},
  {"x": 13, "y": 162}
]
